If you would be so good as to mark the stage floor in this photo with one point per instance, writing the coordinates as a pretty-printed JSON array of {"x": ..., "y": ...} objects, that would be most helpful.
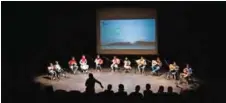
[{"x": 129, "y": 80}]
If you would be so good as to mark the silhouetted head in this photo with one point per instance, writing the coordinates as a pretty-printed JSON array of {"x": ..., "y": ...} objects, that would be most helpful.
[
  {"x": 51, "y": 64},
  {"x": 109, "y": 86},
  {"x": 161, "y": 89},
  {"x": 115, "y": 57},
  {"x": 148, "y": 86},
  {"x": 137, "y": 88},
  {"x": 90, "y": 75},
  {"x": 126, "y": 58},
  {"x": 73, "y": 58},
  {"x": 98, "y": 56},
  {"x": 170, "y": 89},
  {"x": 120, "y": 87},
  {"x": 56, "y": 62}
]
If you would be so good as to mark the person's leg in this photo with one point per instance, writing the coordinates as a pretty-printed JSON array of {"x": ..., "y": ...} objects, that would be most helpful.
[
  {"x": 57, "y": 74},
  {"x": 63, "y": 73},
  {"x": 174, "y": 74},
  {"x": 130, "y": 68},
  {"x": 117, "y": 68},
  {"x": 97, "y": 67},
  {"x": 112, "y": 67},
  {"x": 143, "y": 68},
  {"x": 72, "y": 68},
  {"x": 139, "y": 69},
  {"x": 153, "y": 69},
  {"x": 87, "y": 68},
  {"x": 168, "y": 74},
  {"x": 51, "y": 75},
  {"x": 157, "y": 69},
  {"x": 54, "y": 74},
  {"x": 177, "y": 75},
  {"x": 100, "y": 67}
]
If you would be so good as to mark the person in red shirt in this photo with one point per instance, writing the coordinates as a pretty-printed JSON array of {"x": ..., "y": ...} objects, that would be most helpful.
[
  {"x": 115, "y": 63},
  {"x": 73, "y": 65},
  {"x": 83, "y": 64}
]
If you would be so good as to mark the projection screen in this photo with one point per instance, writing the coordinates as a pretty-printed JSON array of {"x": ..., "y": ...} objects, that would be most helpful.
[{"x": 126, "y": 31}]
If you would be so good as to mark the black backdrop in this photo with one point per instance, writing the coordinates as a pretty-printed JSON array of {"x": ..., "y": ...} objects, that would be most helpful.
[{"x": 36, "y": 33}]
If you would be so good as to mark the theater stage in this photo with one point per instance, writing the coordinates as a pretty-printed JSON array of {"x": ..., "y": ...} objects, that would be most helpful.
[{"x": 129, "y": 80}]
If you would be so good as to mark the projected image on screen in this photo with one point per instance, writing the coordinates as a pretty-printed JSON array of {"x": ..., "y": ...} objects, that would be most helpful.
[{"x": 128, "y": 34}]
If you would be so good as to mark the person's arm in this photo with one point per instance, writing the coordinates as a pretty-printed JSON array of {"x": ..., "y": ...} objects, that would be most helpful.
[{"x": 99, "y": 83}]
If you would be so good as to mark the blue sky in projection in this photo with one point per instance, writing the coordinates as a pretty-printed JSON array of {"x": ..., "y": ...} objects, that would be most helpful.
[{"x": 128, "y": 30}]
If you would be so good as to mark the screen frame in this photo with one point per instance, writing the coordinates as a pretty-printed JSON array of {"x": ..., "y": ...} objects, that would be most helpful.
[{"x": 120, "y": 16}]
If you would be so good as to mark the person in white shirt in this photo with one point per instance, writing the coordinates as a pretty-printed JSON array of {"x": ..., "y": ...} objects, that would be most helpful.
[
  {"x": 127, "y": 65},
  {"x": 51, "y": 71},
  {"x": 58, "y": 69}
]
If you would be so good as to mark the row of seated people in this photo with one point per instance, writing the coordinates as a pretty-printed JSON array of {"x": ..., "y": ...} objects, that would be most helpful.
[
  {"x": 141, "y": 65},
  {"x": 184, "y": 77},
  {"x": 54, "y": 70}
]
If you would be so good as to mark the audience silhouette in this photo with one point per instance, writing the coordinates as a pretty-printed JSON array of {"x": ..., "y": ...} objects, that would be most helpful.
[
  {"x": 46, "y": 94},
  {"x": 109, "y": 91},
  {"x": 136, "y": 96},
  {"x": 148, "y": 94}
]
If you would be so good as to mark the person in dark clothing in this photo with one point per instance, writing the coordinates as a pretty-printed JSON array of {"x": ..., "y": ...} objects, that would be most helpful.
[
  {"x": 121, "y": 95},
  {"x": 171, "y": 96},
  {"x": 147, "y": 93},
  {"x": 121, "y": 92},
  {"x": 161, "y": 90},
  {"x": 90, "y": 84},
  {"x": 136, "y": 96},
  {"x": 108, "y": 94},
  {"x": 109, "y": 91}
]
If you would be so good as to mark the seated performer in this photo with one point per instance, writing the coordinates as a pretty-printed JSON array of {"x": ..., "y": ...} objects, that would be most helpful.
[
  {"x": 115, "y": 63},
  {"x": 52, "y": 71},
  {"x": 184, "y": 75},
  {"x": 156, "y": 65},
  {"x": 73, "y": 65},
  {"x": 83, "y": 64},
  {"x": 98, "y": 61},
  {"x": 59, "y": 70},
  {"x": 141, "y": 64},
  {"x": 127, "y": 64},
  {"x": 173, "y": 70}
]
